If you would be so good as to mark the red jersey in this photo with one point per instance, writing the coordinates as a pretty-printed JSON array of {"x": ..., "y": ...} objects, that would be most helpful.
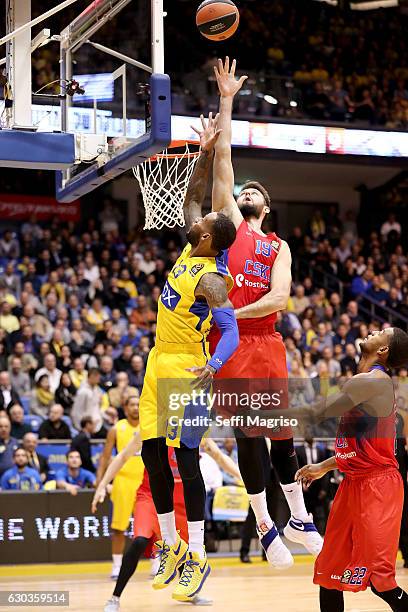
[
  {"x": 365, "y": 443},
  {"x": 250, "y": 261}
]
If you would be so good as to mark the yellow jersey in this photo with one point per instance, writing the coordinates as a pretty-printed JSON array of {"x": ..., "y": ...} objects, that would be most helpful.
[
  {"x": 182, "y": 317},
  {"x": 134, "y": 466}
]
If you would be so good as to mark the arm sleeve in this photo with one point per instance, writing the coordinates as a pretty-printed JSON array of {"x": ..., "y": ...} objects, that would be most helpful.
[{"x": 227, "y": 324}]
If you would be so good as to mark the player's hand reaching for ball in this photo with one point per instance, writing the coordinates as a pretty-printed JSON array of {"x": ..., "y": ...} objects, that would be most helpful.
[
  {"x": 204, "y": 375},
  {"x": 228, "y": 84},
  {"x": 209, "y": 132},
  {"x": 308, "y": 473}
]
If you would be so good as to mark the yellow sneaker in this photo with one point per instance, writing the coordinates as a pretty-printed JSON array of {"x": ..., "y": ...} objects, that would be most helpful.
[
  {"x": 170, "y": 558},
  {"x": 195, "y": 573}
]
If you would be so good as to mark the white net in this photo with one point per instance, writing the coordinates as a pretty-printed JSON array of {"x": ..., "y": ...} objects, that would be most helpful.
[{"x": 163, "y": 182}]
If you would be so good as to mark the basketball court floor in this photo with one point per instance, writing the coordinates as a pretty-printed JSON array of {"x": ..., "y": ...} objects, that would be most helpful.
[{"x": 232, "y": 586}]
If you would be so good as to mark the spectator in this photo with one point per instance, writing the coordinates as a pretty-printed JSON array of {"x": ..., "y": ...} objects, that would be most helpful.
[
  {"x": 65, "y": 394},
  {"x": 88, "y": 401},
  {"x": 43, "y": 398},
  {"x": 20, "y": 477},
  {"x": 19, "y": 380},
  {"x": 324, "y": 337},
  {"x": 54, "y": 428},
  {"x": 121, "y": 391},
  {"x": 143, "y": 316},
  {"x": 73, "y": 477},
  {"x": 350, "y": 360},
  {"x": 10, "y": 281},
  {"x": 35, "y": 460},
  {"x": 299, "y": 300},
  {"x": 133, "y": 336},
  {"x": 7, "y": 444},
  {"x": 9, "y": 246},
  {"x": 82, "y": 444},
  {"x": 8, "y": 321},
  {"x": 123, "y": 362},
  {"x": 8, "y": 395},
  {"x": 51, "y": 370},
  {"x": 376, "y": 292},
  {"x": 362, "y": 284},
  {"x": 229, "y": 448},
  {"x": 18, "y": 427},
  {"x": 390, "y": 225},
  {"x": 137, "y": 372},
  {"x": 97, "y": 315},
  {"x": 78, "y": 374},
  {"x": 333, "y": 366},
  {"x": 108, "y": 374}
]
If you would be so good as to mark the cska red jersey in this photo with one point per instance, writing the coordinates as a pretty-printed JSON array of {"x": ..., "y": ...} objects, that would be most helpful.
[
  {"x": 250, "y": 261},
  {"x": 365, "y": 443}
]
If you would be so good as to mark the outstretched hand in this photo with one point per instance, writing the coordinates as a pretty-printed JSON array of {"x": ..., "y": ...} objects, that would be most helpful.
[
  {"x": 225, "y": 75},
  {"x": 209, "y": 133},
  {"x": 204, "y": 376}
]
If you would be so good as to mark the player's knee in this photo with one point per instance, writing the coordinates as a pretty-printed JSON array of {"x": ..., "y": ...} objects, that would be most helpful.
[
  {"x": 188, "y": 463},
  {"x": 154, "y": 453},
  {"x": 137, "y": 547}
]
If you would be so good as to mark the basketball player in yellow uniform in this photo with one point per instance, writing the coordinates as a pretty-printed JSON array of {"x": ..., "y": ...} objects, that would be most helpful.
[
  {"x": 127, "y": 480},
  {"x": 196, "y": 292}
]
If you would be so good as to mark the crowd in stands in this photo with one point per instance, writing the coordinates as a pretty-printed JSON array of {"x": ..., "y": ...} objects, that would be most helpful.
[{"x": 318, "y": 61}]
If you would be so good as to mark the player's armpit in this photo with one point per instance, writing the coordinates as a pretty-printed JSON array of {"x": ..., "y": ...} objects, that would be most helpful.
[
  {"x": 213, "y": 288},
  {"x": 376, "y": 394}
]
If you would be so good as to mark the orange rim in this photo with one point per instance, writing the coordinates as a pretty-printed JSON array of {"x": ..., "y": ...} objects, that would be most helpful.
[{"x": 177, "y": 144}]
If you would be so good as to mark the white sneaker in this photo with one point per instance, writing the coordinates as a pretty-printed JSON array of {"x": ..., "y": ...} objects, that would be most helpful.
[
  {"x": 115, "y": 572},
  {"x": 112, "y": 605},
  {"x": 304, "y": 533},
  {"x": 278, "y": 555},
  {"x": 154, "y": 565}
]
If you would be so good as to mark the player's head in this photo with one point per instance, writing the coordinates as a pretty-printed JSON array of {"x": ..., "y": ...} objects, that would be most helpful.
[
  {"x": 213, "y": 233},
  {"x": 389, "y": 345},
  {"x": 74, "y": 459},
  {"x": 20, "y": 457},
  {"x": 131, "y": 407},
  {"x": 254, "y": 201}
]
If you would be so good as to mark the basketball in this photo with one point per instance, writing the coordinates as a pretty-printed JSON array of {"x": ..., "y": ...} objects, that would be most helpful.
[{"x": 217, "y": 19}]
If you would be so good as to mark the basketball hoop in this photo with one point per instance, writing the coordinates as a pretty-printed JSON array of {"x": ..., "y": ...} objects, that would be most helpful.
[{"x": 163, "y": 180}]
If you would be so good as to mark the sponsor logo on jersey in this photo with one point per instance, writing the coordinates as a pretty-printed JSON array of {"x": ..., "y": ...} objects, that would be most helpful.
[
  {"x": 195, "y": 269},
  {"x": 179, "y": 270},
  {"x": 169, "y": 297},
  {"x": 333, "y": 576},
  {"x": 345, "y": 579},
  {"x": 239, "y": 280}
]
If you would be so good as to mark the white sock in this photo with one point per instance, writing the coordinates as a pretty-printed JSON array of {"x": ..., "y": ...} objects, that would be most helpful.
[
  {"x": 294, "y": 496},
  {"x": 168, "y": 529},
  {"x": 196, "y": 537},
  {"x": 117, "y": 561},
  {"x": 260, "y": 508}
]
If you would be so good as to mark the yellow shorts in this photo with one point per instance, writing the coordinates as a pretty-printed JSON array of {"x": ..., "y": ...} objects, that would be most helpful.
[
  {"x": 167, "y": 408},
  {"x": 123, "y": 497}
]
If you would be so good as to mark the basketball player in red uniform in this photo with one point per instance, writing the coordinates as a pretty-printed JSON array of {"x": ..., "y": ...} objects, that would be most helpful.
[
  {"x": 361, "y": 542},
  {"x": 145, "y": 522},
  {"x": 261, "y": 267}
]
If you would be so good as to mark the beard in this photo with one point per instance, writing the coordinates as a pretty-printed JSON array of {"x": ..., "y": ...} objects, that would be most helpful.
[
  {"x": 249, "y": 210},
  {"x": 193, "y": 236}
]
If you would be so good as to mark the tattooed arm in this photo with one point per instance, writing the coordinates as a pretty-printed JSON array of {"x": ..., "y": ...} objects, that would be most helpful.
[
  {"x": 212, "y": 287},
  {"x": 198, "y": 183}
]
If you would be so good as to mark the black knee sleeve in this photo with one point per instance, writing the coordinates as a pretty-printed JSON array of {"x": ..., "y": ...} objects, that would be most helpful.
[
  {"x": 250, "y": 462},
  {"x": 284, "y": 460},
  {"x": 331, "y": 600},
  {"x": 193, "y": 483},
  {"x": 129, "y": 563},
  {"x": 397, "y": 599},
  {"x": 156, "y": 460}
]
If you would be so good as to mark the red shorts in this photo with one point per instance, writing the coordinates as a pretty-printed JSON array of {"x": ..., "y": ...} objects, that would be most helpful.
[
  {"x": 259, "y": 364},
  {"x": 145, "y": 522},
  {"x": 361, "y": 541}
]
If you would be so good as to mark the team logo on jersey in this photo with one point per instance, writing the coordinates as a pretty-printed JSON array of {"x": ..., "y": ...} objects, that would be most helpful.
[
  {"x": 169, "y": 297},
  {"x": 179, "y": 270},
  {"x": 196, "y": 269},
  {"x": 345, "y": 579}
]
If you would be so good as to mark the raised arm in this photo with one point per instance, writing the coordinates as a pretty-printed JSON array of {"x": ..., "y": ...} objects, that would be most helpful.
[
  {"x": 223, "y": 180},
  {"x": 197, "y": 186},
  {"x": 213, "y": 288},
  {"x": 224, "y": 462},
  {"x": 277, "y": 298}
]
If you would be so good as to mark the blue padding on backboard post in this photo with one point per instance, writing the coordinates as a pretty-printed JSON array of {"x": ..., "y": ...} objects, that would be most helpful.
[
  {"x": 144, "y": 147},
  {"x": 36, "y": 150}
]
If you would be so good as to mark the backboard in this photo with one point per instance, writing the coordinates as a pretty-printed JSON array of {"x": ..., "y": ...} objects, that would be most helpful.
[{"x": 91, "y": 137}]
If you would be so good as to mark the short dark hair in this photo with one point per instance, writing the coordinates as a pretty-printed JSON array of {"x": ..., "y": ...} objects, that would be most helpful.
[
  {"x": 129, "y": 398},
  {"x": 398, "y": 349},
  {"x": 259, "y": 187},
  {"x": 223, "y": 233},
  {"x": 72, "y": 450},
  {"x": 19, "y": 448},
  {"x": 93, "y": 371},
  {"x": 86, "y": 420}
]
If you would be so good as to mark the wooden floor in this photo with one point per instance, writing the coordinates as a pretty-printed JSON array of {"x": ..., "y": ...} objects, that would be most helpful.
[{"x": 232, "y": 586}]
